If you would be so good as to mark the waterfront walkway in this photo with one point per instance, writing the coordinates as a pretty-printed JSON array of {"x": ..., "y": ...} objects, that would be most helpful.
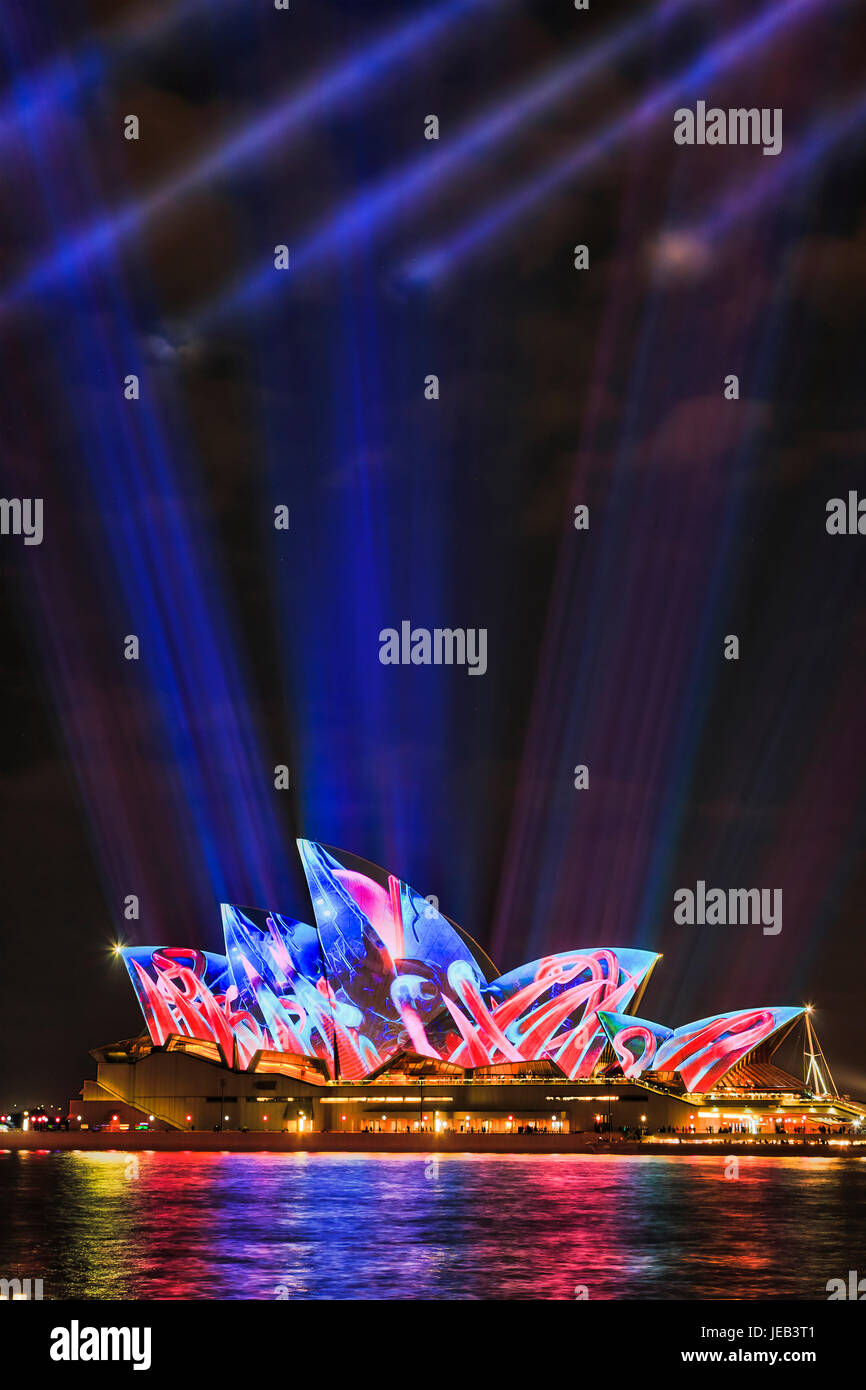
[{"x": 233, "y": 1141}]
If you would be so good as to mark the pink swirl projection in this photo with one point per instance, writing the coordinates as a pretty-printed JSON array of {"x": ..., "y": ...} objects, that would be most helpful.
[
  {"x": 415, "y": 1028},
  {"x": 181, "y": 1002},
  {"x": 514, "y": 1031},
  {"x": 552, "y": 970},
  {"x": 280, "y": 1026},
  {"x": 702, "y": 1057},
  {"x": 343, "y": 992},
  {"x": 178, "y": 1000},
  {"x": 471, "y": 1052},
  {"x": 488, "y": 1028},
  {"x": 633, "y": 1063},
  {"x": 539, "y": 1028},
  {"x": 580, "y": 1050},
  {"x": 380, "y": 906}
]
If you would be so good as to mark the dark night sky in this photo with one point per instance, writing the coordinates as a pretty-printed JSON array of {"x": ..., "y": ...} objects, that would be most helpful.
[{"x": 558, "y": 387}]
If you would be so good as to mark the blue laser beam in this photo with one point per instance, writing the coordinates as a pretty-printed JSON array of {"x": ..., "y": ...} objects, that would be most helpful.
[
  {"x": 422, "y": 176},
  {"x": 291, "y": 116},
  {"x": 156, "y": 569},
  {"x": 744, "y": 44},
  {"x": 73, "y": 76},
  {"x": 743, "y": 201}
]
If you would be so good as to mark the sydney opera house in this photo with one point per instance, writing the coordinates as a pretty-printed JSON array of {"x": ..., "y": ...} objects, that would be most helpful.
[{"x": 386, "y": 1017}]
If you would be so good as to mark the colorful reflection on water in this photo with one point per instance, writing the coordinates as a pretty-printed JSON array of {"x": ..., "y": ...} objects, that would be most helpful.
[{"x": 303, "y": 1226}]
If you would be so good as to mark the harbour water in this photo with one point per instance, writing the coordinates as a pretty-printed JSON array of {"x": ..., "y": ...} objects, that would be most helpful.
[{"x": 309, "y": 1226}]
